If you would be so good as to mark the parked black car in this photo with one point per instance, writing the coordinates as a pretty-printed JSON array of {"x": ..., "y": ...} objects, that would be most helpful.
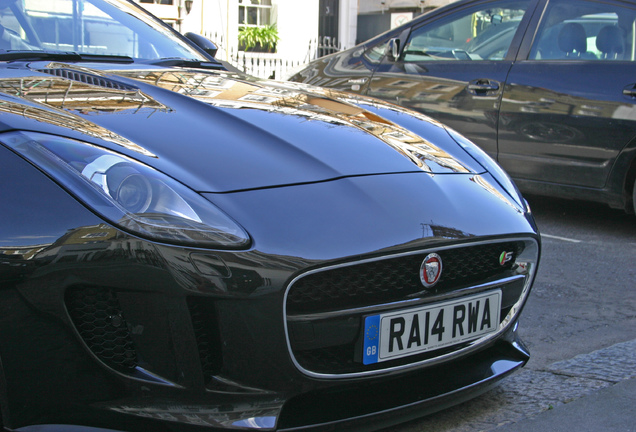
[
  {"x": 183, "y": 248},
  {"x": 547, "y": 88}
]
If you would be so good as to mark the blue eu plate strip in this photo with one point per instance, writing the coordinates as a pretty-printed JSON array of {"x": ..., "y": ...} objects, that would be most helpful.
[{"x": 371, "y": 339}]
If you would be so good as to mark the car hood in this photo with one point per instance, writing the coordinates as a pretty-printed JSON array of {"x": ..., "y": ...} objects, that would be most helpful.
[{"x": 221, "y": 132}]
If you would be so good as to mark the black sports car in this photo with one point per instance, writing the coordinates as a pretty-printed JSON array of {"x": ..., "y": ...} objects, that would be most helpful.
[
  {"x": 183, "y": 248},
  {"x": 546, "y": 88}
]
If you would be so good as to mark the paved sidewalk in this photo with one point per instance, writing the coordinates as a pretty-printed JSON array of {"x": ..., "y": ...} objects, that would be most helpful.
[
  {"x": 590, "y": 392},
  {"x": 612, "y": 409}
]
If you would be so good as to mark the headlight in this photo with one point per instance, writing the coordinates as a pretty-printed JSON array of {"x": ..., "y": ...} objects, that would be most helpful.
[
  {"x": 129, "y": 194},
  {"x": 486, "y": 161}
]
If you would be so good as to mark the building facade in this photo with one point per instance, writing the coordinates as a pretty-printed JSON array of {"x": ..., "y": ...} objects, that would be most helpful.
[
  {"x": 296, "y": 22},
  {"x": 306, "y": 29}
]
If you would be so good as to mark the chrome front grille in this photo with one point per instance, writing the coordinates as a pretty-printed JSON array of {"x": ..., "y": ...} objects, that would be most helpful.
[{"x": 325, "y": 308}]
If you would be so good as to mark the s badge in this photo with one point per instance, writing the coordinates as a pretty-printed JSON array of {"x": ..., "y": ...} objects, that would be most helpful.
[{"x": 505, "y": 257}]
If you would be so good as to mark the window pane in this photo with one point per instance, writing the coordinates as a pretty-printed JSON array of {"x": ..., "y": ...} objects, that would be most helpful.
[
  {"x": 263, "y": 16},
  {"x": 375, "y": 53},
  {"x": 252, "y": 16},
  {"x": 482, "y": 34},
  {"x": 585, "y": 30},
  {"x": 241, "y": 14}
]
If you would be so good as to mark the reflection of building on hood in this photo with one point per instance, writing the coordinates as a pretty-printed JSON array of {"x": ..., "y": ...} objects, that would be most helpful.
[
  {"x": 12, "y": 255},
  {"x": 95, "y": 95},
  {"x": 75, "y": 98},
  {"x": 432, "y": 230},
  {"x": 101, "y": 243}
]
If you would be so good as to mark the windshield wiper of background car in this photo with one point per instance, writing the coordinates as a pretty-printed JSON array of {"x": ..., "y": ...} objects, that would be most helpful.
[{"x": 8, "y": 55}]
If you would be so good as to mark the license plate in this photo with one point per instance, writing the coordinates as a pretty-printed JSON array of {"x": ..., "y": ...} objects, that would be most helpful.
[{"x": 399, "y": 334}]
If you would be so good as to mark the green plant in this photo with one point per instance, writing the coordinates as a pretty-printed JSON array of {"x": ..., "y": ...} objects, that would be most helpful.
[
  {"x": 248, "y": 37},
  {"x": 269, "y": 36},
  {"x": 264, "y": 37}
]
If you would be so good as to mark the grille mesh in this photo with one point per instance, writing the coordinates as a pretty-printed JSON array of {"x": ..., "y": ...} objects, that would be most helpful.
[
  {"x": 203, "y": 314},
  {"x": 394, "y": 279},
  {"x": 98, "y": 318}
]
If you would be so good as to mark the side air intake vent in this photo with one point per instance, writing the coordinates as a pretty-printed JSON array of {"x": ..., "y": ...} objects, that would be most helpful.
[
  {"x": 87, "y": 78},
  {"x": 206, "y": 330},
  {"x": 99, "y": 320}
]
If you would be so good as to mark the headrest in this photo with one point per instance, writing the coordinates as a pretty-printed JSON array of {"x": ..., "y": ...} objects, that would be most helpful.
[
  {"x": 572, "y": 38},
  {"x": 610, "y": 40}
]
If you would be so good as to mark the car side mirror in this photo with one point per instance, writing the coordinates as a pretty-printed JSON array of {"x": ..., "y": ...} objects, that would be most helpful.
[
  {"x": 393, "y": 49},
  {"x": 204, "y": 43}
]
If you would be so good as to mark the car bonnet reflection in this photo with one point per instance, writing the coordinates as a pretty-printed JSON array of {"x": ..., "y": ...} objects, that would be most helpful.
[{"x": 227, "y": 91}]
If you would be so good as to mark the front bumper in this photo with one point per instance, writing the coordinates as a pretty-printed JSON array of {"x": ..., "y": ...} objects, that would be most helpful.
[
  {"x": 393, "y": 400},
  {"x": 353, "y": 405}
]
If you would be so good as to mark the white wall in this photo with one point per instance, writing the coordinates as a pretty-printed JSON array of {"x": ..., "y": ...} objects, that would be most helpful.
[
  {"x": 371, "y": 6},
  {"x": 297, "y": 25},
  {"x": 166, "y": 12},
  {"x": 348, "y": 26},
  {"x": 209, "y": 17}
]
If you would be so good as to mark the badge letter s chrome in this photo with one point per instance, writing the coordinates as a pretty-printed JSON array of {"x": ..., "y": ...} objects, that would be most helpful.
[{"x": 505, "y": 257}]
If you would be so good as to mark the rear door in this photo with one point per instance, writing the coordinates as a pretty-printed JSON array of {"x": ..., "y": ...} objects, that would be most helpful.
[
  {"x": 568, "y": 108},
  {"x": 453, "y": 66}
]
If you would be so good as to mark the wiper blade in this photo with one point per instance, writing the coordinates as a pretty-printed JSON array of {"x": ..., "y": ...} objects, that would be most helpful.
[
  {"x": 62, "y": 56},
  {"x": 191, "y": 63}
]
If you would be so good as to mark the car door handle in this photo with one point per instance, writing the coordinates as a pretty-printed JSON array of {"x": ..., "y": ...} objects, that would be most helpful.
[
  {"x": 483, "y": 86},
  {"x": 630, "y": 90}
]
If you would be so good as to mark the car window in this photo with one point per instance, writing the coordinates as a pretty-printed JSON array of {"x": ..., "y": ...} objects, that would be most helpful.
[
  {"x": 483, "y": 33},
  {"x": 376, "y": 52},
  {"x": 585, "y": 30},
  {"x": 100, "y": 27}
]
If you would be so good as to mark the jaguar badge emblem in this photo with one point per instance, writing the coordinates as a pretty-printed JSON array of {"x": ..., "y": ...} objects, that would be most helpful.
[{"x": 431, "y": 270}]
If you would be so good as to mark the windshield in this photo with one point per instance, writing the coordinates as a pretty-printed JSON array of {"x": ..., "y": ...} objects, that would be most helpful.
[{"x": 88, "y": 27}]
